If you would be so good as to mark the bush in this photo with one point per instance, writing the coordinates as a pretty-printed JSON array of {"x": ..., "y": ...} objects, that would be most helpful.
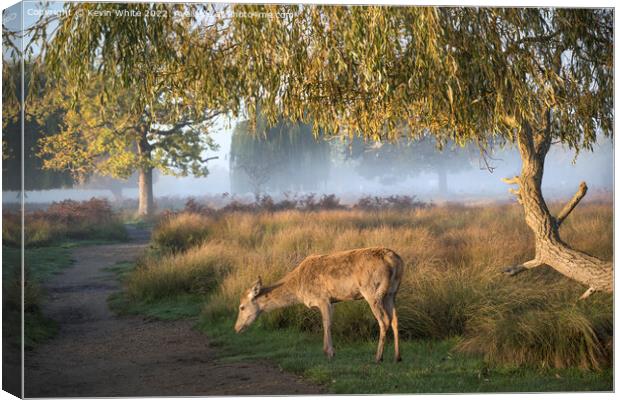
[
  {"x": 68, "y": 219},
  {"x": 374, "y": 203},
  {"x": 551, "y": 332}
]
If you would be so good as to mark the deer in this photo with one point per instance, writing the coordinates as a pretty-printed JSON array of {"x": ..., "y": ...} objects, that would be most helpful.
[{"x": 373, "y": 274}]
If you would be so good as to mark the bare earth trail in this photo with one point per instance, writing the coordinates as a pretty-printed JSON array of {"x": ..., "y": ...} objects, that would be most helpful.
[{"x": 98, "y": 354}]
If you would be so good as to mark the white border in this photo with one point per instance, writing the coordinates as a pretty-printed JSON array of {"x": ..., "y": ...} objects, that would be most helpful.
[{"x": 523, "y": 3}]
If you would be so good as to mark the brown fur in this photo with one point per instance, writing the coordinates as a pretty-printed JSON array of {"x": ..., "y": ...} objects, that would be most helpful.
[{"x": 373, "y": 274}]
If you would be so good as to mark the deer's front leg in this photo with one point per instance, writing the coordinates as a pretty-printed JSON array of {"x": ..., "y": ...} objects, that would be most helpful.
[{"x": 326, "y": 313}]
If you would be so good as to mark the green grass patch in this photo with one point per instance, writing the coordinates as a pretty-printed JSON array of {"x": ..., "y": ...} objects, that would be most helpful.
[
  {"x": 168, "y": 308},
  {"x": 41, "y": 263},
  {"x": 428, "y": 366},
  {"x": 38, "y": 328},
  {"x": 180, "y": 307},
  {"x": 138, "y": 222},
  {"x": 71, "y": 244}
]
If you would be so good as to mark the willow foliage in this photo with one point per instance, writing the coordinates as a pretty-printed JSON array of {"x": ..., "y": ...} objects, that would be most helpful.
[{"x": 461, "y": 74}]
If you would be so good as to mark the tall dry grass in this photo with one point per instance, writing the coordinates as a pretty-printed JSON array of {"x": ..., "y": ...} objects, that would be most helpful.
[
  {"x": 67, "y": 219},
  {"x": 179, "y": 232},
  {"x": 453, "y": 284}
]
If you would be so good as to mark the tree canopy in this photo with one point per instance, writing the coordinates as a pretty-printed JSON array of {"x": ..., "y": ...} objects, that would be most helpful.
[{"x": 464, "y": 74}]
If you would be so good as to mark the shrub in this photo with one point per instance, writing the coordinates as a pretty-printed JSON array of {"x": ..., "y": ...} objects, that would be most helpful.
[
  {"x": 193, "y": 207},
  {"x": 553, "y": 331},
  {"x": 394, "y": 202},
  {"x": 68, "y": 219}
]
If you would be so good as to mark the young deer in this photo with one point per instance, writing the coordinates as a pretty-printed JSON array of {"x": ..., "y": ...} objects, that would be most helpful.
[{"x": 373, "y": 274}]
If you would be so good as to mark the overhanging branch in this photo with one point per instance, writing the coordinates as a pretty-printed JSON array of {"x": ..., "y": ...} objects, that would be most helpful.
[{"x": 581, "y": 192}]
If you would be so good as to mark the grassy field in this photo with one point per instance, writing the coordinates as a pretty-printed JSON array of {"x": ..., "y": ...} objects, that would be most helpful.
[{"x": 467, "y": 327}]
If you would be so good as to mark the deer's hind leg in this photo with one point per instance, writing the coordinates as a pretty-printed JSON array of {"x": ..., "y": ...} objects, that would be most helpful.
[
  {"x": 390, "y": 307},
  {"x": 383, "y": 318}
]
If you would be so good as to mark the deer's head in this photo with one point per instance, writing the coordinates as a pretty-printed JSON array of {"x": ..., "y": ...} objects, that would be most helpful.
[{"x": 248, "y": 308}]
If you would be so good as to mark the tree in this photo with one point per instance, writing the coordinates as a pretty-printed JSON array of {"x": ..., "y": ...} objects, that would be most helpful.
[
  {"x": 123, "y": 109},
  {"x": 482, "y": 75},
  {"x": 528, "y": 76},
  {"x": 284, "y": 157},
  {"x": 114, "y": 185},
  {"x": 35, "y": 176},
  {"x": 112, "y": 140},
  {"x": 391, "y": 162}
]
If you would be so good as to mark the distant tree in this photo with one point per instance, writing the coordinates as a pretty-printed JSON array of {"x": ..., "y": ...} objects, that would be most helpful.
[
  {"x": 114, "y": 140},
  {"x": 284, "y": 157},
  {"x": 35, "y": 129},
  {"x": 35, "y": 176},
  {"x": 114, "y": 185},
  {"x": 392, "y": 162}
]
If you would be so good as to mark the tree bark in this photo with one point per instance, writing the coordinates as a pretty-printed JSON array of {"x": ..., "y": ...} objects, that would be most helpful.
[
  {"x": 145, "y": 178},
  {"x": 596, "y": 274},
  {"x": 145, "y": 189}
]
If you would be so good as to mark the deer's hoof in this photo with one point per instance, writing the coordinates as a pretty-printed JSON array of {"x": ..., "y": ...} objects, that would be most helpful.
[
  {"x": 378, "y": 360},
  {"x": 329, "y": 354},
  {"x": 398, "y": 359}
]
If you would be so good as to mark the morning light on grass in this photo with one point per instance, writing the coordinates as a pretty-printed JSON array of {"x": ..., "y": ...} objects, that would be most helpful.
[{"x": 306, "y": 199}]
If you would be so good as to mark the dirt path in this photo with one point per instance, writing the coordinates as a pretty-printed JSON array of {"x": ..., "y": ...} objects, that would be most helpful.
[{"x": 97, "y": 354}]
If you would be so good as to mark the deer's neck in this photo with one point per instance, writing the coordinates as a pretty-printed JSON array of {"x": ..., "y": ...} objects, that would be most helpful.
[{"x": 277, "y": 296}]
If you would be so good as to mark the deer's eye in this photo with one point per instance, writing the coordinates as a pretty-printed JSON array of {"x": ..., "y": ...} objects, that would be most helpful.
[{"x": 241, "y": 308}]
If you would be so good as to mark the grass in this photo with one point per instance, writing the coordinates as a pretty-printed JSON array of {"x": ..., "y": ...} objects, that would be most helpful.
[
  {"x": 527, "y": 333},
  {"x": 181, "y": 232},
  {"x": 169, "y": 308},
  {"x": 65, "y": 220},
  {"x": 428, "y": 366},
  {"x": 41, "y": 264},
  {"x": 453, "y": 285}
]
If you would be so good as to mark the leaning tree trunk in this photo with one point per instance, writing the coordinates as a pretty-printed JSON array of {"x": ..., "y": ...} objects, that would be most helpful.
[
  {"x": 145, "y": 179},
  {"x": 596, "y": 274}
]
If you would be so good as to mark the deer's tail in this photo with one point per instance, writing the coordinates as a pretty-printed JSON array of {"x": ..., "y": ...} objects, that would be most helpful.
[{"x": 396, "y": 264}]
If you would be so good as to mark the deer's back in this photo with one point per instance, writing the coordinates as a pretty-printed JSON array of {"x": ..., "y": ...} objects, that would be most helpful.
[{"x": 344, "y": 275}]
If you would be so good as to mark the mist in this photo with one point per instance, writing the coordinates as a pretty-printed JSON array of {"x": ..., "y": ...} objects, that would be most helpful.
[{"x": 469, "y": 179}]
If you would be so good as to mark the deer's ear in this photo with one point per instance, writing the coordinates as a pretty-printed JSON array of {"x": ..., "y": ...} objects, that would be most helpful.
[{"x": 256, "y": 288}]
